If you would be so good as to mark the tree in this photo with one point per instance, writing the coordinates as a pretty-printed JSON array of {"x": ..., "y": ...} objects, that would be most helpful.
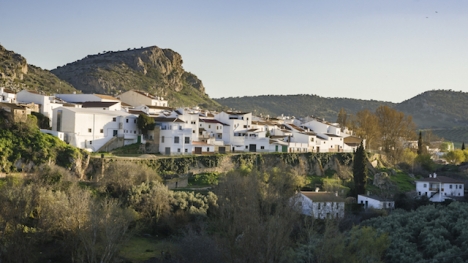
[
  {"x": 360, "y": 170},
  {"x": 342, "y": 119},
  {"x": 420, "y": 144},
  {"x": 463, "y": 146},
  {"x": 366, "y": 126},
  {"x": 145, "y": 123},
  {"x": 395, "y": 128}
]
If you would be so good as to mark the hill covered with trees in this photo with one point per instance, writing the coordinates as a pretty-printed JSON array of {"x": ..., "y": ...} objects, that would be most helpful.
[{"x": 431, "y": 109}]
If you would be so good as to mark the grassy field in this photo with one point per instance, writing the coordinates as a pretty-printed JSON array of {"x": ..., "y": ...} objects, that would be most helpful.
[{"x": 139, "y": 249}]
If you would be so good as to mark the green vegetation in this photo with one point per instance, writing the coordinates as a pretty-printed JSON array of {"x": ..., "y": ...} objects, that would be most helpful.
[
  {"x": 360, "y": 170},
  {"x": 23, "y": 145},
  {"x": 204, "y": 179},
  {"x": 432, "y": 232}
]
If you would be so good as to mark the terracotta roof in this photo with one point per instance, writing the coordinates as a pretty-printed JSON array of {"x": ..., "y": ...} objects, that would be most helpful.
[
  {"x": 440, "y": 179},
  {"x": 236, "y": 113},
  {"x": 136, "y": 112},
  {"x": 9, "y": 91},
  {"x": 162, "y": 119},
  {"x": 13, "y": 106},
  {"x": 297, "y": 127},
  {"x": 322, "y": 197},
  {"x": 159, "y": 107},
  {"x": 98, "y": 104},
  {"x": 107, "y": 97},
  {"x": 379, "y": 198},
  {"x": 212, "y": 121}
]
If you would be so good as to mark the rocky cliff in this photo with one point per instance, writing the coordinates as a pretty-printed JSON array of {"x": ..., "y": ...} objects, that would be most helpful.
[
  {"x": 16, "y": 74},
  {"x": 152, "y": 69}
]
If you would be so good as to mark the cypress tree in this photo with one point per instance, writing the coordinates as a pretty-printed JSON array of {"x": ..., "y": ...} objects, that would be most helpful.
[
  {"x": 360, "y": 170},
  {"x": 463, "y": 146},
  {"x": 420, "y": 146}
]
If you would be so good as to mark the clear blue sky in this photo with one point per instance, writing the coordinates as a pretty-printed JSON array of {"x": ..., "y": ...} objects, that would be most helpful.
[{"x": 369, "y": 49}]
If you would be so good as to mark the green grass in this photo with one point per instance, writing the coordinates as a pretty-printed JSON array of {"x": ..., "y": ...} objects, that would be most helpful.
[
  {"x": 139, "y": 249},
  {"x": 403, "y": 181}
]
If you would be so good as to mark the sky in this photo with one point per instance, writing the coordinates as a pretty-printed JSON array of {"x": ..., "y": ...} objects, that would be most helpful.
[{"x": 364, "y": 49}]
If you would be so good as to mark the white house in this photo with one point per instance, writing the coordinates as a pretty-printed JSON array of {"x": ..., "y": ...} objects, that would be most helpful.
[
  {"x": 137, "y": 98},
  {"x": 7, "y": 95},
  {"x": 320, "y": 205},
  {"x": 92, "y": 129},
  {"x": 174, "y": 137},
  {"x": 46, "y": 103},
  {"x": 440, "y": 188},
  {"x": 375, "y": 202}
]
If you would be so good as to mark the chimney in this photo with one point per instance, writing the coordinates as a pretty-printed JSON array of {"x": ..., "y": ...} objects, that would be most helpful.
[
  {"x": 435, "y": 175},
  {"x": 430, "y": 175}
]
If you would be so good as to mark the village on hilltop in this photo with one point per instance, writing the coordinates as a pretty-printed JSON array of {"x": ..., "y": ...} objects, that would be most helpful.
[{"x": 101, "y": 123}]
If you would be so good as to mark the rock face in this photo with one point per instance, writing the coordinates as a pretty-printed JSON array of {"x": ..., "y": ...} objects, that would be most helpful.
[
  {"x": 152, "y": 69},
  {"x": 16, "y": 74}
]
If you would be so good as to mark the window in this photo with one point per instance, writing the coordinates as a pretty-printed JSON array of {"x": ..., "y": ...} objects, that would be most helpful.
[
  {"x": 312, "y": 139},
  {"x": 162, "y": 139},
  {"x": 102, "y": 130},
  {"x": 246, "y": 147},
  {"x": 187, "y": 139},
  {"x": 90, "y": 142},
  {"x": 114, "y": 119},
  {"x": 193, "y": 131},
  {"x": 89, "y": 130},
  {"x": 450, "y": 186},
  {"x": 126, "y": 120},
  {"x": 134, "y": 121},
  {"x": 176, "y": 139},
  {"x": 425, "y": 185},
  {"x": 186, "y": 150},
  {"x": 59, "y": 120},
  {"x": 209, "y": 126},
  {"x": 262, "y": 147},
  {"x": 207, "y": 149},
  {"x": 178, "y": 150},
  {"x": 245, "y": 126}
]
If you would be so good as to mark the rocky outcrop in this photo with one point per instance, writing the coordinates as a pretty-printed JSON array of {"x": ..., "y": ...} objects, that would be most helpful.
[
  {"x": 158, "y": 71},
  {"x": 16, "y": 74}
]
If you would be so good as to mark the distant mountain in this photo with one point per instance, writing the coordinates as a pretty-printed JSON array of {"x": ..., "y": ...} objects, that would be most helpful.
[
  {"x": 431, "y": 109},
  {"x": 152, "y": 69},
  {"x": 17, "y": 74}
]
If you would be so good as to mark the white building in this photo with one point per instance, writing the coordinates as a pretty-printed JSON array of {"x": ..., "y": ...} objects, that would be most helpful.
[
  {"x": 137, "y": 98},
  {"x": 92, "y": 129},
  {"x": 320, "y": 205},
  {"x": 439, "y": 188},
  {"x": 375, "y": 202},
  {"x": 46, "y": 103},
  {"x": 175, "y": 137},
  {"x": 7, "y": 95},
  {"x": 105, "y": 105}
]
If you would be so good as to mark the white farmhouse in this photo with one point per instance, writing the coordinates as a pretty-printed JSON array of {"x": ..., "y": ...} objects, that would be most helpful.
[
  {"x": 95, "y": 129},
  {"x": 375, "y": 202},
  {"x": 320, "y": 205},
  {"x": 440, "y": 188},
  {"x": 7, "y": 95},
  {"x": 137, "y": 98}
]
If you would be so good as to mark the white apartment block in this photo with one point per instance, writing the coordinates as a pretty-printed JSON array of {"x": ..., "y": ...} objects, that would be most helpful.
[
  {"x": 175, "y": 137},
  {"x": 91, "y": 129}
]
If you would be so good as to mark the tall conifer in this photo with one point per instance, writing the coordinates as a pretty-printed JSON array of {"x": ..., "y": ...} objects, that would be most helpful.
[
  {"x": 420, "y": 146},
  {"x": 360, "y": 170}
]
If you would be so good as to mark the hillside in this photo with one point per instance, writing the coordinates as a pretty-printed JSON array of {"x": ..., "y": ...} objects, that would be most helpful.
[
  {"x": 431, "y": 109},
  {"x": 300, "y": 105},
  {"x": 17, "y": 74},
  {"x": 152, "y": 69}
]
